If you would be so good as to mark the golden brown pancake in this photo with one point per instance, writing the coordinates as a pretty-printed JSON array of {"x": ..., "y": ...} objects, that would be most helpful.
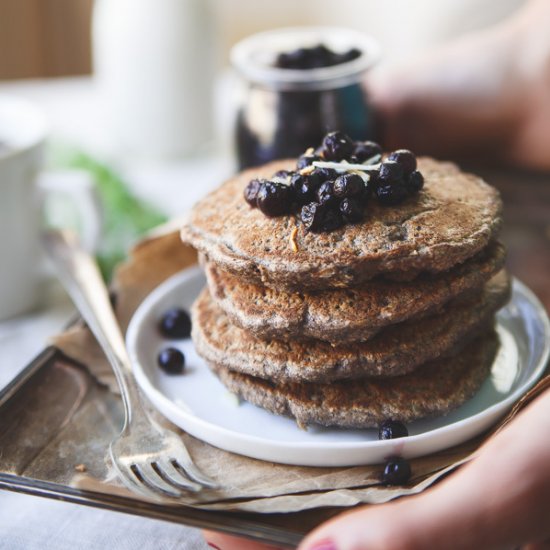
[
  {"x": 434, "y": 389},
  {"x": 452, "y": 219},
  {"x": 396, "y": 350},
  {"x": 346, "y": 315}
]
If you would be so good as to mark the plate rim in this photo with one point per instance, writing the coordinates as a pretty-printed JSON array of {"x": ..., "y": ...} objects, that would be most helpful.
[{"x": 148, "y": 387}]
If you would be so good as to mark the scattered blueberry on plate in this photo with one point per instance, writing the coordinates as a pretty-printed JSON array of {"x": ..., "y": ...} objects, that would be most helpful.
[
  {"x": 171, "y": 361},
  {"x": 392, "y": 429},
  {"x": 175, "y": 324}
]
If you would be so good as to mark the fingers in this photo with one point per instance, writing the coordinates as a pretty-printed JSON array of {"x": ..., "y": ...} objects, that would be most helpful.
[
  {"x": 499, "y": 500},
  {"x": 462, "y": 99},
  {"x": 221, "y": 541}
]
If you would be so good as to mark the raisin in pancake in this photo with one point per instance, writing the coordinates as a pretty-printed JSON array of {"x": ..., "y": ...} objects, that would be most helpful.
[
  {"x": 453, "y": 218},
  {"x": 432, "y": 390},
  {"x": 396, "y": 350},
  {"x": 346, "y": 315}
]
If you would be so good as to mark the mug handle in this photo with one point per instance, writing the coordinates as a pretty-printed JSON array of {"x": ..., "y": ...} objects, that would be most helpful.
[{"x": 79, "y": 186}]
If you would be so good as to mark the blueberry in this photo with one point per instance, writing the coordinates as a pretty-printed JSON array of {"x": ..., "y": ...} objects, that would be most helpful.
[
  {"x": 351, "y": 210},
  {"x": 175, "y": 324},
  {"x": 332, "y": 220},
  {"x": 314, "y": 57},
  {"x": 337, "y": 146},
  {"x": 350, "y": 55},
  {"x": 274, "y": 199},
  {"x": 397, "y": 471},
  {"x": 251, "y": 192},
  {"x": 283, "y": 174},
  {"x": 415, "y": 182},
  {"x": 324, "y": 174},
  {"x": 304, "y": 188},
  {"x": 284, "y": 61},
  {"x": 392, "y": 429},
  {"x": 364, "y": 150},
  {"x": 312, "y": 216},
  {"x": 321, "y": 56},
  {"x": 390, "y": 194},
  {"x": 325, "y": 194},
  {"x": 171, "y": 360},
  {"x": 390, "y": 171},
  {"x": 348, "y": 186},
  {"x": 405, "y": 158},
  {"x": 297, "y": 59},
  {"x": 306, "y": 160},
  {"x": 374, "y": 180}
]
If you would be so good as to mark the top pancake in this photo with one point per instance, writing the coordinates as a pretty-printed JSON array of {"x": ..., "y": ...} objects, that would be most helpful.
[{"x": 450, "y": 220}]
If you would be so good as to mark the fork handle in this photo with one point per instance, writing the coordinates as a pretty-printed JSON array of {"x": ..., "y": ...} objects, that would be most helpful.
[{"x": 80, "y": 275}]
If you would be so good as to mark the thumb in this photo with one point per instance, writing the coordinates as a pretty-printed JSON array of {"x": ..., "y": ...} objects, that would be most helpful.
[{"x": 385, "y": 527}]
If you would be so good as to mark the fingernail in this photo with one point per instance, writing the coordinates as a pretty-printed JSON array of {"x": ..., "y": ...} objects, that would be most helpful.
[{"x": 324, "y": 544}]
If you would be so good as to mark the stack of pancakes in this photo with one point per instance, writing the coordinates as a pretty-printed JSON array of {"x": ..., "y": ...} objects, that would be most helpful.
[{"x": 392, "y": 318}]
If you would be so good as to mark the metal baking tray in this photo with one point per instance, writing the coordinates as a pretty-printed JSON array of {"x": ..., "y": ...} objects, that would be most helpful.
[{"x": 55, "y": 418}]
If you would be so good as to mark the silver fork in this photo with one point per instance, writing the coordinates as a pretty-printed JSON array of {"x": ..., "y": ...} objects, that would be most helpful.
[{"x": 148, "y": 458}]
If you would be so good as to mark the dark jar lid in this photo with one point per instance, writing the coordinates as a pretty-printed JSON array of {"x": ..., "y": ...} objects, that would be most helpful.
[{"x": 255, "y": 57}]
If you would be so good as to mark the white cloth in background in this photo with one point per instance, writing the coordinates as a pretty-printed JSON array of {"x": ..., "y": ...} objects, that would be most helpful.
[{"x": 31, "y": 523}]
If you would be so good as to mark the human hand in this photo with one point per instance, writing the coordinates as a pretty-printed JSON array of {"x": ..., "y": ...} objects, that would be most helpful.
[
  {"x": 486, "y": 95},
  {"x": 499, "y": 500}
]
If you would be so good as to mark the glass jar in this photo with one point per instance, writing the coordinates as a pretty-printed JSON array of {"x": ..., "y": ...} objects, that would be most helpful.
[{"x": 284, "y": 111}]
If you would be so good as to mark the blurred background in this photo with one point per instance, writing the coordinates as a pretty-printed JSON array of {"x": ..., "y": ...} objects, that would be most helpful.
[
  {"x": 48, "y": 38},
  {"x": 122, "y": 81}
]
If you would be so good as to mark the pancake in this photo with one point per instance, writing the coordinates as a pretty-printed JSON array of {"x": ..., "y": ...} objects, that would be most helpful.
[
  {"x": 345, "y": 315},
  {"x": 432, "y": 390},
  {"x": 396, "y": 350},
  {"x": 452, "y": 219}
]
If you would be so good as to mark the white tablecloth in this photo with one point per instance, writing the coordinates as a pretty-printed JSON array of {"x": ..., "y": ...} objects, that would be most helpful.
[{"x": 29, "y": 523}]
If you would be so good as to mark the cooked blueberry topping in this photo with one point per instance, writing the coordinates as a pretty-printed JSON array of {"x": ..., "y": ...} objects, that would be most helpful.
[
  {"x": 415, "y": 182},
  {"x": 171, "y": 361},
  {"x": 372, "y": 183},
  {"x": 364, "y": 150},
  {"x": 405, "y": 158},
  {"x": 392, "y": 429},
  {"x": 304, "y": 188},
  {"x": 274, "y": 198},
  {"x": 251, "y": 191},
  {"x": 390, "y": 194},
  {"x": 306, "y": 160},
  {"x": 390, "y": 171},
  {"x": 397, "y": 471},
  {"x": 332, "y": 220},
  {"x": 175, "y": 324},
  {"x": 350, "y": 55},
  {"x": 337, "y": 146},
  {"x": 348, "y": 186},
  {"x": 283, "y": 174},
  {"x": 312, "y": 216},
  {"x": 324, "y": 174},
  {"x": 325, "y": 194},
  {"x": 333, "y": 184},
  {"x": 351, "y": 210},
  {"x": 314, "y": 58}
]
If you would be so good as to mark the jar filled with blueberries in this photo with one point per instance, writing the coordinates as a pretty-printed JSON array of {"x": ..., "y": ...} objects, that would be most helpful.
[{"x": 298, "y": 84}]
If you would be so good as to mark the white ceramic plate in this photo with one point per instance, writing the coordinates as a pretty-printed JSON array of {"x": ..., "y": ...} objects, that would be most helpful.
[{"x": 198, "y": 403}]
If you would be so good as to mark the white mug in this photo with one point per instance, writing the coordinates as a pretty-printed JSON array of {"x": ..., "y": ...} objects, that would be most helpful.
[{"x": 23, "y": 185}]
